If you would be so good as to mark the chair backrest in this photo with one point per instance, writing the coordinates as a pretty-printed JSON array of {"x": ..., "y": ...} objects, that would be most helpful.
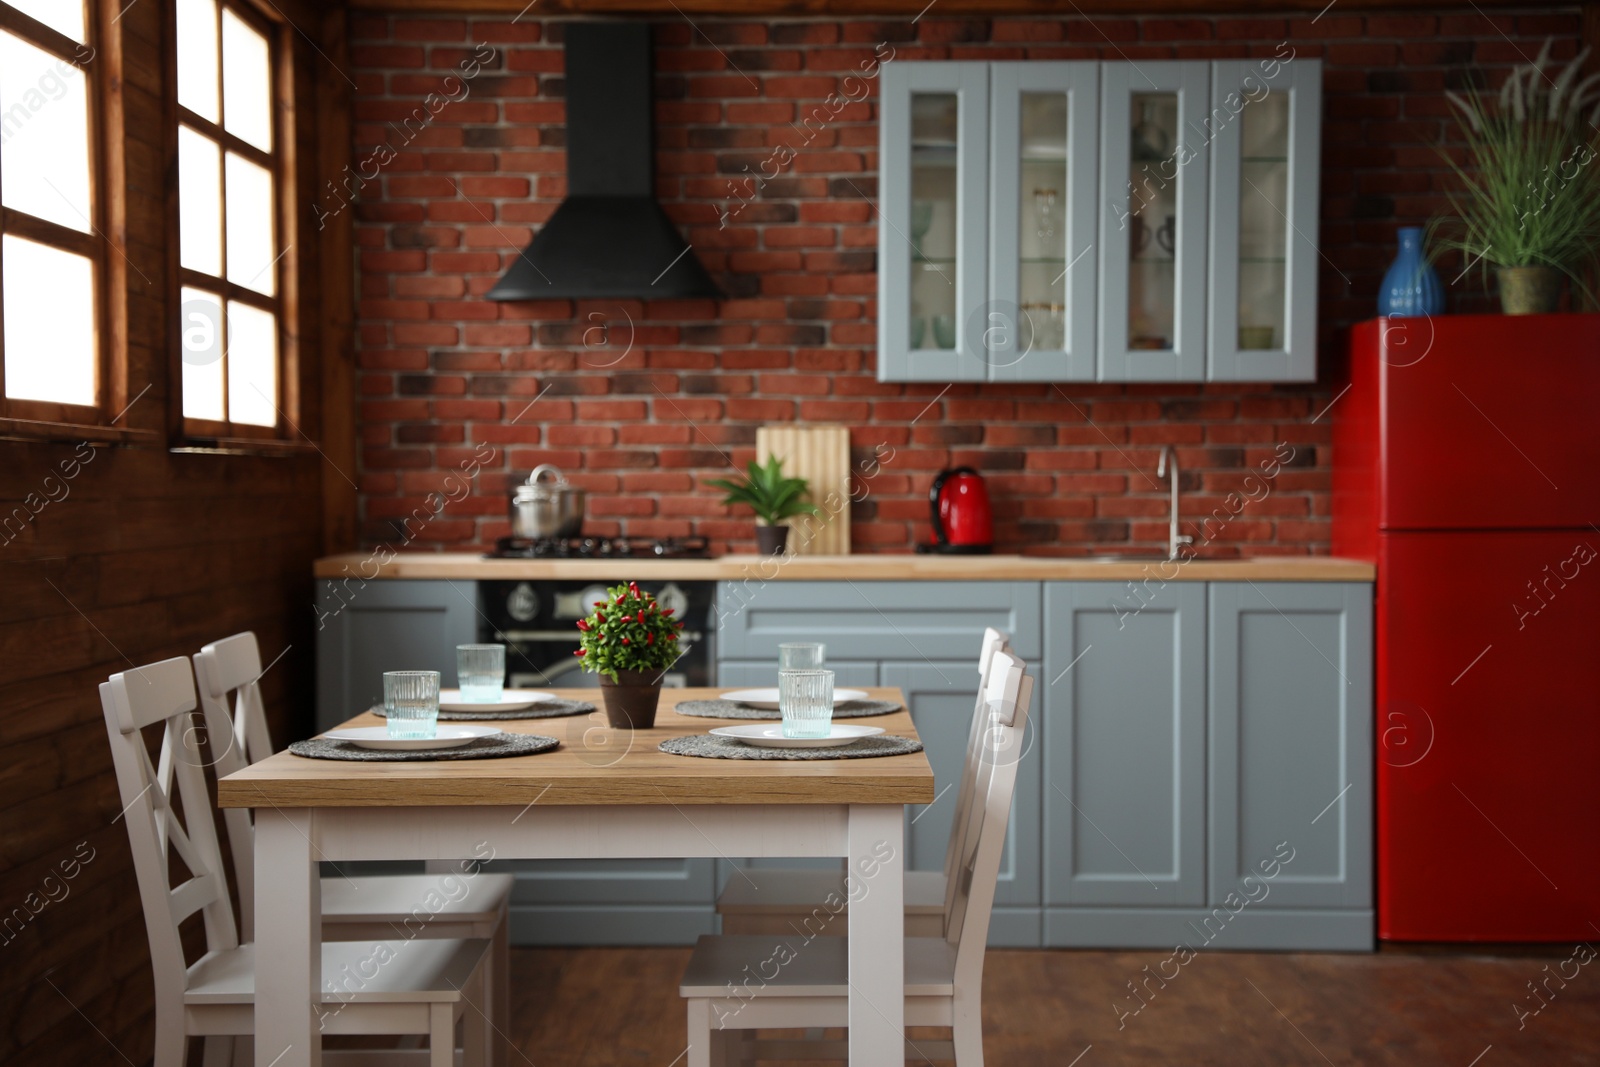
[
  {"x": 163, "y": 694},
  {"x": 237, "y": 737},
  {"x": 1009, "y": 694},
  {"x": 993, "y": 641}
]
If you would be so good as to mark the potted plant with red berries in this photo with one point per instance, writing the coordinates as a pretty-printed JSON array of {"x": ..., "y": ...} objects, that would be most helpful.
[{"x": 630, "y": 642}]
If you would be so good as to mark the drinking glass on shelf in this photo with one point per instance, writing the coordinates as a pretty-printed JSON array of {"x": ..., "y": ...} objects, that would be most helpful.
[
  {"x": 411, "y": 703},
  {"x": 801, "y": 656},
  {"x": 944, "y": 331},
  {"x": 481, "y": 673},
  {"x": 805, "y": 700}
]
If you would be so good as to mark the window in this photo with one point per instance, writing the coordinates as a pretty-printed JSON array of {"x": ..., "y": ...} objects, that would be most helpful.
[
  {"x": 234, "y": 261},
  {"x": 51, "y": 252}
]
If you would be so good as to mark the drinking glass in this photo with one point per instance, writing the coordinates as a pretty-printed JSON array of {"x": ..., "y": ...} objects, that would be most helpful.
[
  {"x": 411, "y": 702},
  {"x": 801, "y": 656},
  {"x": 481, "y": 673},
  {"x": 805, "y": 699}
]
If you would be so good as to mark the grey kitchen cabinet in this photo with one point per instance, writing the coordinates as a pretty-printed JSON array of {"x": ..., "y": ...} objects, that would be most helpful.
[
  {"x": 1291, "y": 741},
  {"x": 1075, "y": 221},
  {"x": 1263, "y": 233},
  {"x": 1124, "y": 693},
  {"x": 366, "y": 628}
]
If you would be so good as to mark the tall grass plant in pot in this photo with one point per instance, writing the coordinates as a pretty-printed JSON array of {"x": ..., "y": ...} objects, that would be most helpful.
[{"x": 1528, "y": 200}]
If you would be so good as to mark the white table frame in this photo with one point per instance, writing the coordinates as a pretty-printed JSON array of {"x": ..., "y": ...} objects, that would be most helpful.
[{"x": 291, "y": 841}]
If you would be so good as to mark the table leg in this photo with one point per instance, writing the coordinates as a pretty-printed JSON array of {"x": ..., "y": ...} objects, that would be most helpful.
[
  {"x": 288, "y": 941},
  {"x": 876, "y": 884}
]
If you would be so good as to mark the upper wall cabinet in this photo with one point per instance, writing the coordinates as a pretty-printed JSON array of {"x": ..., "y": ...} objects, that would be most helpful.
[
  {"x": 1264, "y": 167},
  {"x": 1099, "y": 221}
]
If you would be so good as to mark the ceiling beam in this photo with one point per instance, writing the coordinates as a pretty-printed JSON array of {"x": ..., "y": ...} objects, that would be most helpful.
[{"x": 908, "y": 8}]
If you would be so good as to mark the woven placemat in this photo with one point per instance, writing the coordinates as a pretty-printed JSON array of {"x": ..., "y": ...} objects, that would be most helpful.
[
  {"x": 732, "y": 709},
  {"x": 712, "y": 747},
  {"x": 545, "y": 709},
  {"x": 495, "y": 746}
]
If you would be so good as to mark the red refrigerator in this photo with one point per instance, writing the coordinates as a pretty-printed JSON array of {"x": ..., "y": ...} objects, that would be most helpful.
[{"x": 1467, "y": 467}]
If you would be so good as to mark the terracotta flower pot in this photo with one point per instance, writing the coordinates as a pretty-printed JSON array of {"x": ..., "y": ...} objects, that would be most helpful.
[
  {"x": 772, "y": 539},
  {"x": 1529, "y": 290},
  {"x": 631, "y": 699}
]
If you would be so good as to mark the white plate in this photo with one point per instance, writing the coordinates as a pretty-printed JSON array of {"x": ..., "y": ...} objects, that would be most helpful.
[
  {"x": 767, "y": 699},
  {"x": 770, "y": 735},
  {"x": 510, "y": 700},
  {"x": 449, "y": 735}
]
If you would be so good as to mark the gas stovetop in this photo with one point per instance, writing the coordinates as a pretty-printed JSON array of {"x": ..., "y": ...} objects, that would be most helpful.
[{"x": 601, "y": 548}]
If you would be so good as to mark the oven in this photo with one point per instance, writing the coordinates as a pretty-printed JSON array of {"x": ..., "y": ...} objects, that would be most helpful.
[{"x": 536, "y": 621}]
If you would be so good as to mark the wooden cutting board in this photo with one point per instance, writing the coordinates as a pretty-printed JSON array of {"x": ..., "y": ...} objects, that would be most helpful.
[{"x": 820, "y": 455}]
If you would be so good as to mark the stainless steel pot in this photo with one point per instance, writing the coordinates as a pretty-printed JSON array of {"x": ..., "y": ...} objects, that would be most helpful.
[{"x": 546, "y": 508}]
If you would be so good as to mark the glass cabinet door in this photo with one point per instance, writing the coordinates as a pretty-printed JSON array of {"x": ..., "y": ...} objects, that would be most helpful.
[
  {"x": 1153, "y": 165},
  {"x": 1264, "y": 166},
  {"x": 1039, "y": 324},
  {"x": 933, "y": 216}
]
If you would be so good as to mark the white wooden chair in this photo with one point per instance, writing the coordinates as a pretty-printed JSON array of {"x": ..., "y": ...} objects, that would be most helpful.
[
  {"x": 364, "y": 906},
  {"x": 944, "y": 975},
  {"x": 388, "y": 987},
  {"x": 778, "y": 900}
]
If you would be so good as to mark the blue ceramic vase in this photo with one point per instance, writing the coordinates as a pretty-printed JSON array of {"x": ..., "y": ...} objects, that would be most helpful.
[{"x": 1411, "y": 288}]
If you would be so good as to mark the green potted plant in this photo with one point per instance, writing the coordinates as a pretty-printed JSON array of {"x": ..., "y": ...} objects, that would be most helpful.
[
  {"x": 630, "y": 642},
  {"x": 1529, "y": 201},
  {"x": 772, "y": 497}
]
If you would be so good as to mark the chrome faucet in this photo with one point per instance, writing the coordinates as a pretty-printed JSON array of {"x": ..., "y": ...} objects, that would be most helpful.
[{"x": 1167, "y": 467}]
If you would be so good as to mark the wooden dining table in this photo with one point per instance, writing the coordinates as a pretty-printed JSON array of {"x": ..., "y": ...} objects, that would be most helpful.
[{"x": 602, "y": 794}]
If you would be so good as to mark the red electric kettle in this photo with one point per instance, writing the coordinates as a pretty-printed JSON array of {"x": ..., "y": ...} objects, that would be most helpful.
[{"x": 962, "y": 519}]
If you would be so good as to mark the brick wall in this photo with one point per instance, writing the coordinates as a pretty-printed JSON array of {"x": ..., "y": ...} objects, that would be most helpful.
[{"x": 459, "y": 179}]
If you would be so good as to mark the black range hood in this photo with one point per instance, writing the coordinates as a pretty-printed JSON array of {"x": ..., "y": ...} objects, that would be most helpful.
[{"x": 609, "y": 237}]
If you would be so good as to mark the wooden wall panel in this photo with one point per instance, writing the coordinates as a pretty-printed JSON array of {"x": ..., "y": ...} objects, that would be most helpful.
[{"x": 148, "y": 554}]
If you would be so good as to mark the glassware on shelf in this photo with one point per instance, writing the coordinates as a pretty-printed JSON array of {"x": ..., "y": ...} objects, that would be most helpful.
[
  {"x": 1046, "y": 220},
  {"x": 944, "y": 331},
  {"x": 1263, "y": 222},
  {"x": 1151, "y": 142},
  {"x": 934, "y": 240},
  {"x": 1256, "y": 338},
  {"x": 921, "y": 223},
  {"x": 1153, "y": 223},
  {"x": 1048, "y": 325}
]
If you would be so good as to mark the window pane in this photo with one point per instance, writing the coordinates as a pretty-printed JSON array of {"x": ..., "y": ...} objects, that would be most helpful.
[
  {"x": 199, "y": 202},
  {"x": 252, "y": 365},
  {"x": 246, "y": 82},
  {"x": 63, "y": 16},
  {"x": 197, "y": 57},
  {"x": 203, "y": 339},
  {"x": 251, "y": 257},
  {"x": 44, "y": 112},
  {"x": 49, "y": 322},
  {"x": 1042, "y": 240}
]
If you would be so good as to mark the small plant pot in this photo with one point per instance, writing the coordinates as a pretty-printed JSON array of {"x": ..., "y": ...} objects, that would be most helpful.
[
  {"x": 1529, "y": 290},
  {"x": 631, "y": 700},
  {"x": 772, "y": 539}
]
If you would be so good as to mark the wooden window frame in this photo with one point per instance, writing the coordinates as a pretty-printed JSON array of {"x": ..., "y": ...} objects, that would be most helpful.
[
  {"x": 54, "y": 419},
  {"x": 192, "y": 434}
]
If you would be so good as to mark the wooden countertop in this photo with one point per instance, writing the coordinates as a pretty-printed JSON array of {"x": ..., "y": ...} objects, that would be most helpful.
[
  {"x": 469, "y": 566},
  {"x": 594, "y": 765}
]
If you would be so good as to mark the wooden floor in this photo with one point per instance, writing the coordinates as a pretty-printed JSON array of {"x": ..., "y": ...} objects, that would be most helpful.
[{"x": 598, "y": 1007}]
